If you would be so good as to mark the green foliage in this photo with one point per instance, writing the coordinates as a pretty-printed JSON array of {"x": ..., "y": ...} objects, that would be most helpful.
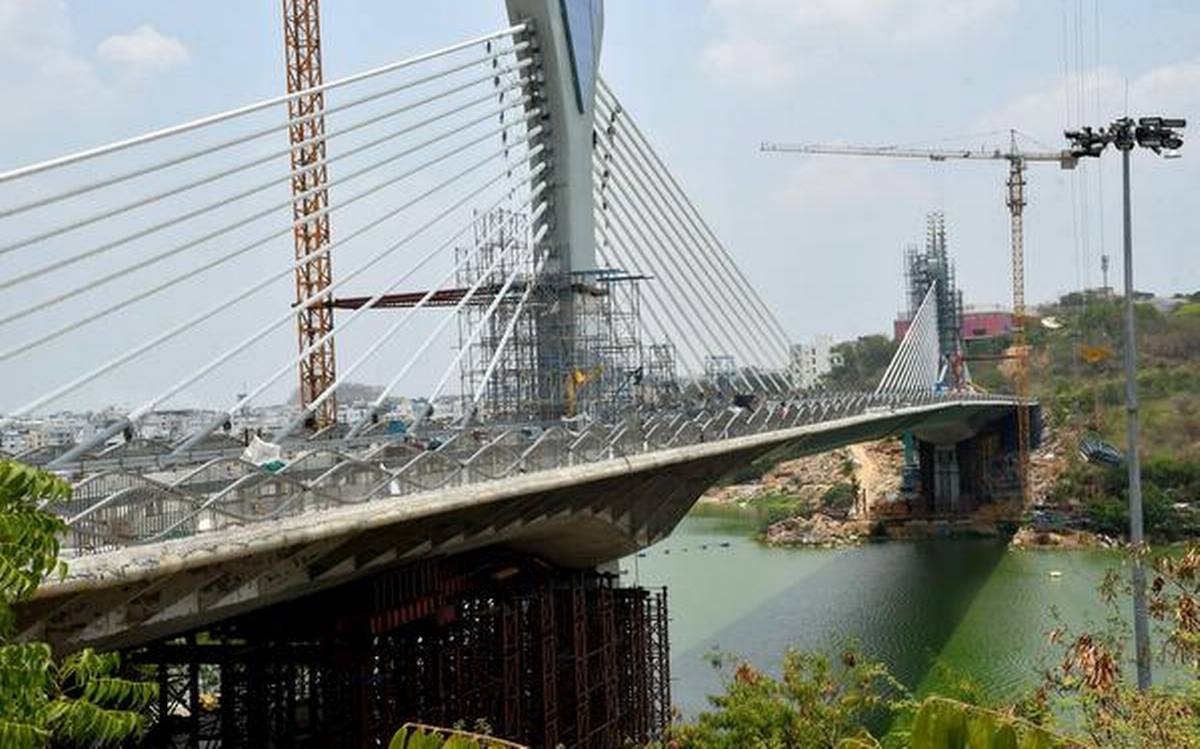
[
  {"x": 1076, "y": 392},
  {"x": 818, "y": 704},
  {"x": 772, "y": 508},
  {"x": 28, "y": 537},
  {"x": 840, "y": 496},
  {"x": 814, "y": 703},
  {"x": 859, "y": 742},
  {"x": 943, "y": 723},
  {"x": 84, "y": 700},
  {"x": 863, "y": 363},
  {"x": 418, "y": 736},
  {"x": 1166, "y": 482}
]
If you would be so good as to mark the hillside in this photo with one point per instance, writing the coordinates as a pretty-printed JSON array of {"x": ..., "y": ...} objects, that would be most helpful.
[{"x": 1076, "y": 371}]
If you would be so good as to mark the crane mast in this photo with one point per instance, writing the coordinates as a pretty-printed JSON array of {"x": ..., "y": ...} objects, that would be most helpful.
[
  {"x": 306, "y": 133},
  {"x": 1015, "y": 200},
  {"x": 1016, "y": 210}
]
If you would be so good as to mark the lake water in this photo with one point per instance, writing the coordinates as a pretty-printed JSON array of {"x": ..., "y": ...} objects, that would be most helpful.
[{"x": 971, "y": 605}]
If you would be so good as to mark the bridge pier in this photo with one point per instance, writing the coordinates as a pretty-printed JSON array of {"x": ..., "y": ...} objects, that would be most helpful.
[
  {"x": 538, "y": 655},
  {"x": 957, "y": 477}
]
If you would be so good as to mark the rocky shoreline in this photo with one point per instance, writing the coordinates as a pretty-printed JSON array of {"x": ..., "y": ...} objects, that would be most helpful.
[
  {"x": 1028, "y": 537},
  {"x": 824, "y": 532},
  {"x": 819, "y": 531},
  {"x": 802, "y": 486}
]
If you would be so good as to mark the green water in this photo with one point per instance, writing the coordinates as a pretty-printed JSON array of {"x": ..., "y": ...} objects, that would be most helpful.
[{"x": 971, "y": 605}]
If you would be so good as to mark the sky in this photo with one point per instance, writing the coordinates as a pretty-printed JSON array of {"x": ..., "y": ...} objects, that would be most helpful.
[{"x": 707, "y": 81}]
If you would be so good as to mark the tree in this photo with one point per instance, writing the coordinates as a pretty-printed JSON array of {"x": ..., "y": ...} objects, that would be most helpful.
[
  {"x": 814, "y": 703},
  {"x": 421, "y": 736},
  {"x": 863, "y": 362},
  {"x": 82, "y": 700}
]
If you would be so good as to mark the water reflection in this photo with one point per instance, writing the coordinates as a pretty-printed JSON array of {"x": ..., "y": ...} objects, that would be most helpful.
[{"x": 968, "y": 604}]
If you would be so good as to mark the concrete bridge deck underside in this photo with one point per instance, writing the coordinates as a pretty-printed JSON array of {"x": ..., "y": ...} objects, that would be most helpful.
[{"x": 579, "y": 516}]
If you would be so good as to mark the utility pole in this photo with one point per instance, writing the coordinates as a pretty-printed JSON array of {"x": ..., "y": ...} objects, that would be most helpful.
[{"x": 1158, "y": 134}]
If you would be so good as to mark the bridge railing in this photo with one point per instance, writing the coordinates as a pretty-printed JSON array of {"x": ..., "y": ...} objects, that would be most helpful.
[{"x": 114, "y": 509}]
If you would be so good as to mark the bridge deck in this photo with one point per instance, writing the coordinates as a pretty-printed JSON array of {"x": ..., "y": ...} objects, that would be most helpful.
[{"x": 580, "y": 515}]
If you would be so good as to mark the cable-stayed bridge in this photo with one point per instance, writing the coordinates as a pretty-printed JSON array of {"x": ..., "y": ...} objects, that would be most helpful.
[{"x": 569, "y": 354}]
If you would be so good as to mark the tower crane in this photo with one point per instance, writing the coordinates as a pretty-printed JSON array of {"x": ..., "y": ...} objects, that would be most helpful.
[
  {"x": 310, "y": 209},
  {"x": 1015, "y": 200}
]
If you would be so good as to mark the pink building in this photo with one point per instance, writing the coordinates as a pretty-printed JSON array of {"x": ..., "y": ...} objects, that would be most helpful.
[{"x": 976, "y": 324}]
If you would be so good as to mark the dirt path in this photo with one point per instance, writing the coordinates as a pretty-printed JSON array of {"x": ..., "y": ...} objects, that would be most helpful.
[{"x": 868, "y": 473}]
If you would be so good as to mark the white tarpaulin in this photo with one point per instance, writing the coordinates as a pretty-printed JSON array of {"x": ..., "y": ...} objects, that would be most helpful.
[{"x": 260, "y": 452}]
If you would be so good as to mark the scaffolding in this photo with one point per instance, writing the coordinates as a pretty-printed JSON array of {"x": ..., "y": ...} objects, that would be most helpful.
[
  {"x": 545, "y": 657},
  {"x": 606, "y": 367},
  {"x": 720, "y": 370},
  {"x": 660, "y": 382},
  {"x": 923, "y": 268},
  {"x": 574, "y": 349},
  {"x": 500, "y": 250}
]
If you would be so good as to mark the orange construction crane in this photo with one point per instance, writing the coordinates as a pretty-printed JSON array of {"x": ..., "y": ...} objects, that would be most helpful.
[
  {"x": 1015, "y": 200},
  {"x": 302, "y": 49}
]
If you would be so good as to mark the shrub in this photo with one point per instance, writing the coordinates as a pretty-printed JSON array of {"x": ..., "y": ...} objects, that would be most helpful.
[
  {"x": 772, "y": 508},
  {"x": 82, "y": 700},
  {"x": 814, "y": 703},
  {"x": 839, "y": 497}
]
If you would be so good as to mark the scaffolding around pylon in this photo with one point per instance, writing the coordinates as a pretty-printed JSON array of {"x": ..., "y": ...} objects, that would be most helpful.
[
  {"x": 926, "y": 267},
  {"x": 540, "y": 366},
  {"x": 499, "y": 251}
]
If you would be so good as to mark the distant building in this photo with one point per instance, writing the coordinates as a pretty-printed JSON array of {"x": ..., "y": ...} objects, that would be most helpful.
[
  {"x": 977, "y": 324},
  {"x": 173, "y": 424},
  {"x": 353, "y": 413},
  {"x": 812, "y": 361}
]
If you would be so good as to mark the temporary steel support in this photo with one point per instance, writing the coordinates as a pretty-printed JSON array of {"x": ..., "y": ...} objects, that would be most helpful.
[
  {"x": 302, "y": 49},
  {"x": 546, "y": 657},
  {"x": 579, "y": 642}
]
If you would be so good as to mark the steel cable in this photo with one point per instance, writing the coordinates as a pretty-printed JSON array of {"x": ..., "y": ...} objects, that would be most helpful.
[
  {"x": 377, "y": 404},
  {"x": 654, "y": 259},
  {"x": 250, "y": 290},
  {"x": 673, "y": 207},
  {"x": 258, "y": 161},
  {"x": 201, "y": 122},
  {"x": 247, "y": 220},
  {"x": 659, "y": 215},
  {"x": 698, "y": 220}
]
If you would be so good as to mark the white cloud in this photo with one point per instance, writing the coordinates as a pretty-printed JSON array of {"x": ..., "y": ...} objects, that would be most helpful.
[
  {"x": 765, "y": 42},
  {"x": 40, "y": 74},
  {"x": 1172, "y": 89},
  {"x": 144, "y": 48},
  {"x": 44, "y": 75}
]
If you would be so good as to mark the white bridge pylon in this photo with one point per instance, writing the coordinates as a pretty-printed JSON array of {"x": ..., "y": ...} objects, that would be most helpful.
[{"x": 917, "y": 362}]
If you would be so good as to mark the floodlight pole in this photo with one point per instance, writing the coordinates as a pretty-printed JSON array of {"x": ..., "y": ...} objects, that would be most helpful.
[
  {"x": 1133, "y": 461},
  {"x": 1159, "y": 135}
]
